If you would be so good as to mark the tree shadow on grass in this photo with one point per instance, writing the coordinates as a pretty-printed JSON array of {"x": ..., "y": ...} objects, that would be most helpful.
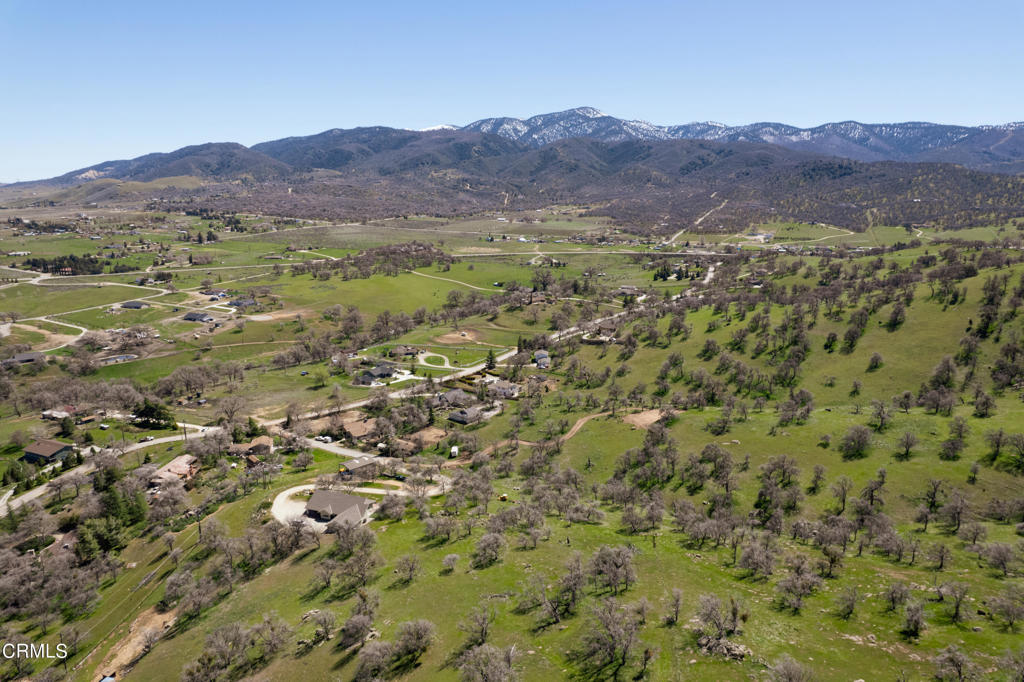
[
  {"x": 433, "y": 543},
  {"x": 349, "y": 654},
  {"x": 312, "y": 593},
  {"x": 398, "y": 584},
  {"x": 301, "y": 556}
]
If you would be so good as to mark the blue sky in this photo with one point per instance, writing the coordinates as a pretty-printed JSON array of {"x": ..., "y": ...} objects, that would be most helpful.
[{"x": 85, "y": 82}]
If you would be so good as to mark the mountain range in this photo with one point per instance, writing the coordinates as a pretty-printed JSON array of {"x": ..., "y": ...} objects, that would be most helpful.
[
  {"x": 646, "y": 177},
  {"x": 994, "y": 148}
]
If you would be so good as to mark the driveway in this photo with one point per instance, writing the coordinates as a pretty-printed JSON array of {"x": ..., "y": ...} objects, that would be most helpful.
[
  {"x": 284, "y": 508},
  {"x": 88, "y": 467}
]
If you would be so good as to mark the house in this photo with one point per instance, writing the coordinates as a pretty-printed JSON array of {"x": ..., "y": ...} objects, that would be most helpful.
[
  {"x": 456, "y": 398},
  {"x": 47, "y": 451},
  {"x": 55, "y": 415},
  {"x": 181, "y": 468},
  {"x": 134, "y": 305},
  {"x": 252, "y": 461},
  {"x": 540, "y": 297},
  {"x": 370, "y": 376},
  {"x": 365, "y": 467},
  {"x": 542, "y": 358},
  {"x": 607, "y": 328},
  {"x": 628, "y": 290},
  {"x": 403, "y": 352},
  {"x": 238, "y": 449},
  {"x": 382, "y": 371},
  {"x": 328, "y": 505},
  {"x": 466, "y": 415},
  {"x": 505, "y": 390},
  {"x": 357, "y": 430},
  {"x": 198, "y": 317},
  {"x": 242, "y": 303},
  {"x": 604, "y": 332},
  {"x": 259, "y": 446},
  {"x": 23, "y": 359}
]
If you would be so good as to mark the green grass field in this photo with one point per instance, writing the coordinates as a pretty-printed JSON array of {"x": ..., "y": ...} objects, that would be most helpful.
[
  {"x": 30, "y": 301},
  {"x": 867, "y": 645},
  {"x": 405, "y": 293}
]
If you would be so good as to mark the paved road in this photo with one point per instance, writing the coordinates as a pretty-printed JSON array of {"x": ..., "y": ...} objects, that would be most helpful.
[
  {"x": 332, "y": 447},
  {"x": 458, "y": 374},
  {"x": 88, "y": 467}
]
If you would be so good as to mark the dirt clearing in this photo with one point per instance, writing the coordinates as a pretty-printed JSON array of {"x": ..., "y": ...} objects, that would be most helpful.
[
  {"x": 121, "y": 657},
  {"x": 459, "y": 337},
  {"x": 53, "y": 339},
  {"x": 642, "y": 420},
  {"x": 279, "y": 315},
  {"x": 478, "y": 249}
]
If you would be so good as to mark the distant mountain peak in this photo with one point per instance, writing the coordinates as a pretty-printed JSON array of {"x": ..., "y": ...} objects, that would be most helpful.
[
  {"x": 993, "y": 148},
  {"x": 997, "y": 148},
  {"x": 590, "y": 112}
]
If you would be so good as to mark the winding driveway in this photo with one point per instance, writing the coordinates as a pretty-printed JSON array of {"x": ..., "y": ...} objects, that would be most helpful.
[
  {"x": 423, "y": 361},
  {"x": 284, "y": 508}
]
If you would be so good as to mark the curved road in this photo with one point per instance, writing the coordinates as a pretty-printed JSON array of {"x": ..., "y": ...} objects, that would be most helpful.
[{"x": 87, "y": 467}]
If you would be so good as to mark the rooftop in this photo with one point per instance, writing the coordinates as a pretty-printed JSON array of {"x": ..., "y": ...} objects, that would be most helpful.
[
  {"x": 331, "y": 504},
  {"x": 46, "y": 447}
]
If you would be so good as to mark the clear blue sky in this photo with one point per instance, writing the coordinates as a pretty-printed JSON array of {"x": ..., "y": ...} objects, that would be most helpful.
[{"x": 85, "y": 82}]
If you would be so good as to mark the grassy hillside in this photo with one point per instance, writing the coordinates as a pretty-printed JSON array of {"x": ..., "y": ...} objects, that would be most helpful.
[{"x": 805, "y": 435}]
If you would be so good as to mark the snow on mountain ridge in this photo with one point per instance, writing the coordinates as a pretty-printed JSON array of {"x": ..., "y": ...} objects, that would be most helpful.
[{"x": 905, "y": 141}]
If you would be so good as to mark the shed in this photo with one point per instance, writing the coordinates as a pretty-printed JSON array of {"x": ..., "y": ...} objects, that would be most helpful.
[{"x": 362, "y": 467}]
